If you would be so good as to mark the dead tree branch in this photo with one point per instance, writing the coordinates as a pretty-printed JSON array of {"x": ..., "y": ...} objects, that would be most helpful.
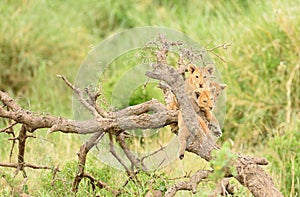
[
  {"x": 135, "y": 161},
  {"x": 22, "y": 140},
  {"x": 84, "y": 149},
  {"x": 100, "y": 184},
  {"x": 8, "y": 128},
  {"x": 113, "y": 152},
  {"x": 191, "y": 184},
  {"x": 127, "y": 119},
  {"x": 25, "y": 165},
  {"x": 252, "y": 176}
]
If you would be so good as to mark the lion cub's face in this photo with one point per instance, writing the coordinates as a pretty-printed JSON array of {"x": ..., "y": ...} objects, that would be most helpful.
[
  {"x": 218, "y": 88},
  {"x": 204, "y": 99},
  {"x": 199, "y": 76}
]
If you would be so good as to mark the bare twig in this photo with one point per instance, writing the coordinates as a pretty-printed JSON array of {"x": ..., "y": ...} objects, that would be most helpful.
[
  {"x": 113, "y": 152},
  {"x": 8, "y": 128},
  {"x": 191, "y": 184},
  {"x": 224, "y": 46},
  {"x": 80, "y": 97},
  {"x": 218, "y": 56},
  {"x": 135, "y": 161},
  {"x": 25, "y": 165},
  {"x": 153, "y": 153},
  {"x": 100, "y": 184},
  {"x": 92, "y": 101}
]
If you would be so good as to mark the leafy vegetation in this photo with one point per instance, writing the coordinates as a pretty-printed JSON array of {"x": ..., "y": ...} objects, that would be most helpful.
[{"x": 39, "y": 39}]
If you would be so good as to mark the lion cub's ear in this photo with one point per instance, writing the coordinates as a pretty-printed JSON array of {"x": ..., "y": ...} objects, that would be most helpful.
[
  {"x": 197, "y": 93},
  {"x": 192, "y": 68},
  {"x": 213, "y": 90},
  {"x": 210, "y": 69},
  {"x": 223, "y": 86}
]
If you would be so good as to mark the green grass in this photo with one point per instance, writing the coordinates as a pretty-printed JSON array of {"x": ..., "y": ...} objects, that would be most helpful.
[{"x": 40, "y": 39}]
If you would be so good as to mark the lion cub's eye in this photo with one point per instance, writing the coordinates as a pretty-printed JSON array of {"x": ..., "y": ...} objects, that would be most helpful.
[
  {"x": 197, "y": 76},
  {"x": 204, "y": 101},
  {"x": 204, "y": 76}
]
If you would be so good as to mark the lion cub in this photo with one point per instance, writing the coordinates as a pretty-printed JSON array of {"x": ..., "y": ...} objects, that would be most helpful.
[
  {"x": 218, "y": 89},
  {"x": 204, "y": 101},
  {"x": 205, "y": 111},
  {"x": 198, "y": 78}
]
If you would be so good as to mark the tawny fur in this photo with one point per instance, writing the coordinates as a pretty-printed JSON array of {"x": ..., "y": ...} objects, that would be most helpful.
[
  {"x": 198, "y": 78},
  {"x": 172, "y": 104},
  {"x": 204, "y": 101},
  {"x": 204, "y": 106}
]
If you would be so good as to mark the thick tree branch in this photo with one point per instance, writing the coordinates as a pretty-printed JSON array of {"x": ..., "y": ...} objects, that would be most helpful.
[
  {"x": 252, "y": 176},
  {"x": 116, "y": 121},
  {"x": 149, "y": 106},
  {"x": 21, "y": 140}
]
